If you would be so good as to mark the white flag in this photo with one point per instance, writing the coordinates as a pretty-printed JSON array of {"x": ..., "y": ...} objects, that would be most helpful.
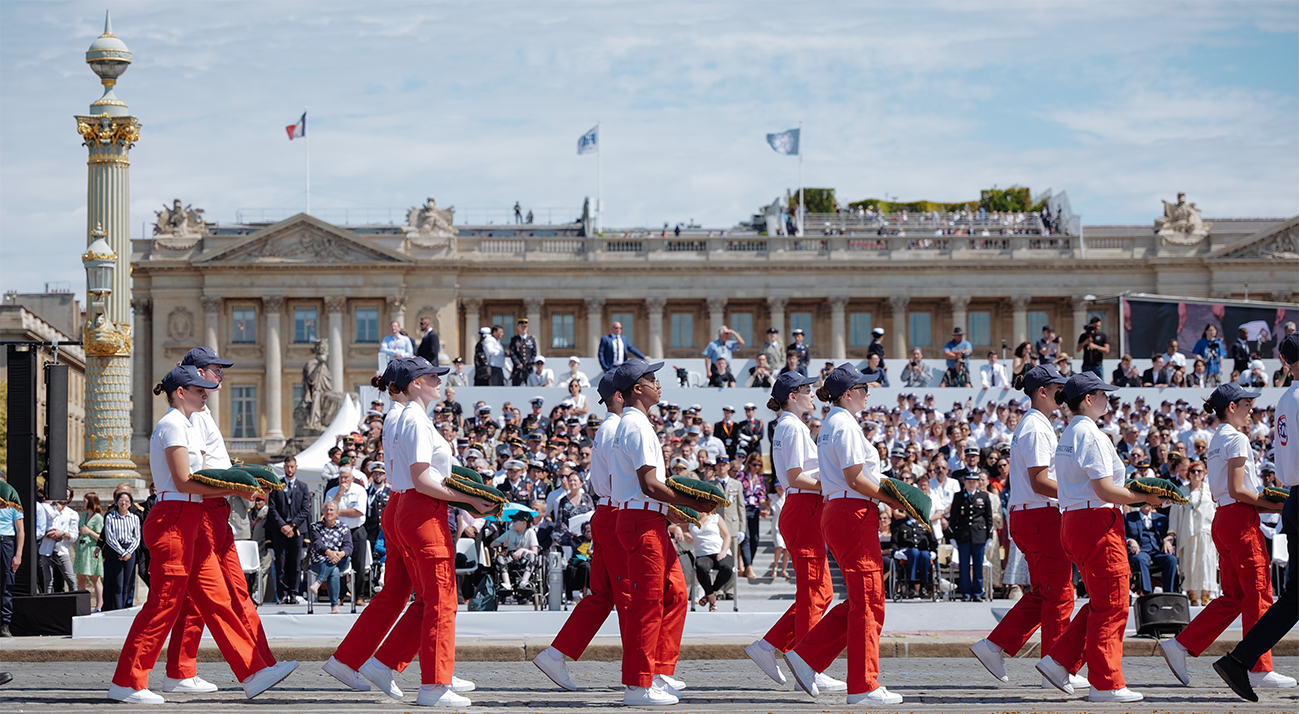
[
  {"x": 785, "y": 142},
  {"x": 589, "y": 143}
]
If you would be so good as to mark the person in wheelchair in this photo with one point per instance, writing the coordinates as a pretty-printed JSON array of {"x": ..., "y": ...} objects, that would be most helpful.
[
  {"x": 914, "y": 547},
  {"x": 516, "y": 557}
]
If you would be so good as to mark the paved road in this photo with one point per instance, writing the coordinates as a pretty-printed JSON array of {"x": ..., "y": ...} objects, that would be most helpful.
[{"x": 929, "y": 685}]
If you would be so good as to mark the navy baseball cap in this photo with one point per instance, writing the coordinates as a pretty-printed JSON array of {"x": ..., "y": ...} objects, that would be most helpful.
[
  {"x": 203, "y": 356},
  {"x": 1228, "y": 393},
  {"x": 1042, "y": 375},
  {"x": 845, "y": 377},
  {"x": 633, "y": 369},
  {"x": 185, "y": 375},
  {"x": 605, "y": 387},
  {"x": 787, "y": 383},
  {"x": 1085, "y": 383},
  {"x": 1290, "y": 348},
  {"x": 408, "y": 369}
]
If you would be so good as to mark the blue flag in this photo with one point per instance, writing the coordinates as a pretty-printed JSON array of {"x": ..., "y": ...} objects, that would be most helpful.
[
  {"x": 589, "y": 143},
  {"x": 785, "y": 142}
]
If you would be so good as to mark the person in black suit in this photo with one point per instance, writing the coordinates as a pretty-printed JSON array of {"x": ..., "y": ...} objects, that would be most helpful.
[
  {"x": 1157, "y": 374},
  {"x": 430, "y": 345},
  {"x": 290, "y": 516},
  {"x": 970, "y": 525},
  {"x": 616, "y": 349},
  {"x": 1149, "y": 542}
]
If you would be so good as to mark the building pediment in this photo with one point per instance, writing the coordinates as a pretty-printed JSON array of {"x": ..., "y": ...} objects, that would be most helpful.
[
  {"x": 1279, "y": 241},
  {"x": 302, "y": 240}
]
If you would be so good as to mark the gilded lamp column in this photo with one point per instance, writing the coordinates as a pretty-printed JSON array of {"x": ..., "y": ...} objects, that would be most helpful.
[{"x": 108, "y": 132}]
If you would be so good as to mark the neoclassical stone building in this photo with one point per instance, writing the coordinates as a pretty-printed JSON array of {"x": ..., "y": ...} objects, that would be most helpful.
[{"x": 262, "y": 294}]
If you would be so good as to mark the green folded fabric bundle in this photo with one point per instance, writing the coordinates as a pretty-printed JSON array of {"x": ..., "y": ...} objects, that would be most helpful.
[
  {"x": 1274, "y": 494},
  {"x": 264, "y": 477},
  {"x": 468, "y": 473},
  {"x": 9, "y": 497},
  {"x": 235, "y": 479},
  {"x": 471, "y": 487},
  {"x": 1161, "y": 486},
  {"x": 690, "y": 514},
  {"x": 914, "y": 501},
  {"x": 701, "y": 490}
]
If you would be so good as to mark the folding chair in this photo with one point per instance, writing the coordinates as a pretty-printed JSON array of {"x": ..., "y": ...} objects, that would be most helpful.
[
  {"x": 346, "y": 577},
  {"x": 250, "y": 561}
]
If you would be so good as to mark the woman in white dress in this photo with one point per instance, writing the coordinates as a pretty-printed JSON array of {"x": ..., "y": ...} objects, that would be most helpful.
[{"x": 1197, "y": 557}]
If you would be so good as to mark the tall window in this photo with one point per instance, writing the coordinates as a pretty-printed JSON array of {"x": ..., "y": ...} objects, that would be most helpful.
[
  {"x": 243, "y": 414},
  {"x": 561, "y": 331},
  {"x": 304, "y": 324},
  {"x": 801, "y": 321},
  {"x": 243, "y": 327},
  {"x": 367, "y": 324},
  {"x": 297, "y": 392},
  {"x": 1037, "y": 319},
  {"x": 506, "y": 321},
  {"x": 742, "y": 322},
  {"x": 920, "y": 335},
  {"x": 683, "y": 330},
  {"x": 859, "y": 329},
  {"x": 980, "y": 328},
  {"x": 628, "y": 322}
]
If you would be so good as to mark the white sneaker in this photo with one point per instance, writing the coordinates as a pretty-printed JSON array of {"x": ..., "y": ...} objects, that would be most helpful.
[
  {"x": 676, "y": 684},
  {"x": 126, "y": 695},
  {"x": 381, "y": 676},
  {"x": 346, "y": 675},
  {"x": 1055, "y": 673},
  {"x": 459, "y": 686},
  {"x": 876, "y": 697},
  {"x": 1078, "y": 682},
  {"x": 299, "y": 600},
  {"x": 992, "y": 657},
  {"x": 661, "y": 682},
  {"x": 191, "y": 685},
  {"x": 439, "y": 695},
  {"x": 826, "y": 683},
  {"x": 763, "y": 654},
  {"x": 267, "y": 677},
  {"x": 1114, "y": 695},
  {"x": 1175, "y": 655},
  {"x": 803, "y": 673},
  {"x": 1270, "y": 680},
  {"x": 647, "y": 697},
  {"x": 551, "y": 663}
]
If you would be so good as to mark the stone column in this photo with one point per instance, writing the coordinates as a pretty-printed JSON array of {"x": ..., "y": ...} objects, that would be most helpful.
[
  {"x": 838, "y": 327},
  {"x": 335, "y": 305},
  {"x": 776, "y": 304},
  {"x": 141, "y": 392},
  {"x": 1019, "y": 322},
  {"x": 396, "y": 311},
  {"x": 1079, "y": 306},
  {"x": 473, "y": 306},
  {"x": 272, "y": 306},
  {"x": 594, "y": 325},
  {"x": 211, "y": 314},
  {"x": 716, "y": 316},
  {"x": 898, "y": 312},
  {"x": 654, "y": 306},
  {"x": 959, "y": 315},
  {"x": 532, "y": 308}
]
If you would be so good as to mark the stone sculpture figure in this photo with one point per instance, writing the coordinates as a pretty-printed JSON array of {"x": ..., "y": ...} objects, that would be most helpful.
[
  {"x": 179, "y": 227},
  {"x": 319, "y": 401},
  {"x": 1181, "y": 224},
  {"x": 429, "y": 226}
]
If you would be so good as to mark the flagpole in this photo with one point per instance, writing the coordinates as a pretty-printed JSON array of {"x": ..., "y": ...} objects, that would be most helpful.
[
  {"x": 308, "y": 153},
  {"x": 801, "y": 206},
  {"x": 599, "y": 181}
]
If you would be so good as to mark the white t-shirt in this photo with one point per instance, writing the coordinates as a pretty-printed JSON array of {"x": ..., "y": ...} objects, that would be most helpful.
[
  {"x": 708, "y": 535},
  {"x": 215, "y": 455},
  {"x": 1083, "y": 455},
  {"x": 172, "y": 430},
  {"x": 356, "y": 497},
  {"x": 1229, "y": 444},
  {"x": 1032, "y": 446},
  {"x": 422, "y": 444},
  {"x": 634, "y": 445},
  {"x": 1286, "y": 443},
  {"x": 601, "y": 475},
  {"x": 545, "y": 379},
  {"x": 942, "y": 493},
  {"x": 398, "y": 475},
  {"x": 839, "y": 445},
  {"x": 792, "y": 448}
]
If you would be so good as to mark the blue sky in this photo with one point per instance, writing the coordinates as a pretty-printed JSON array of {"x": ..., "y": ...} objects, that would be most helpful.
[{"x": 481, "y": 104}]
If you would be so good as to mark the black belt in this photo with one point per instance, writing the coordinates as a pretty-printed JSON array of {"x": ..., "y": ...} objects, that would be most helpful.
[{"x": 12, "y": 537}]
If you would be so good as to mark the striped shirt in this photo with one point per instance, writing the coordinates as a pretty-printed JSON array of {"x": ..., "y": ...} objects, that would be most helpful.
[{"x": 122, "y": 532}]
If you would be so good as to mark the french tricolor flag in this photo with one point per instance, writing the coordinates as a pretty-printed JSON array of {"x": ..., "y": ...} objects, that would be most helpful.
[{"x": 299, "y": 130}]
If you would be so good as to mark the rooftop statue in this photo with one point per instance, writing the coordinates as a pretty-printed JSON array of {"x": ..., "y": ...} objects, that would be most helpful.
[
  {"x": 1181, "y": 224},
  {"x": 178, "y": 227},
  {"x": 428, "y": 226}
]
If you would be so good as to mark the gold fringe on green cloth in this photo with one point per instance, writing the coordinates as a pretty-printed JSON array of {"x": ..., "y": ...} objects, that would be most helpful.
[
  {"x": 1162, "y": 487},
  {"x": 899, "y": 491},
  {"x": 701, "y": 490},
  {"x": 689, "y": 514},
  {"x": 1274, "y": 494},
  {"x": 239, "y": 480}
]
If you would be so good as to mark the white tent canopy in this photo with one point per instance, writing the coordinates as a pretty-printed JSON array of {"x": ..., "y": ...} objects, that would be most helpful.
[{"x": 312, "y": 460}]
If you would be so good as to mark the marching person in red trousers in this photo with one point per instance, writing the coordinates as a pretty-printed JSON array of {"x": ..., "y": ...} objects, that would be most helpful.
[
  {"x": 850, "y": 486},
  {"x": 1035, "y": 527},
  {"x": 182, "y": 560},
  {"x": 608, "y": 564},
  {"x": 1089, "y": 478},
  {"x": 1243, "y": 557},
  {"x": 793, "y": 458},
  {"x": 655, "y": 615}
]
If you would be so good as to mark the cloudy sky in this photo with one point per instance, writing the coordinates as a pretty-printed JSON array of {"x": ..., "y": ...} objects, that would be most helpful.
[{"x": 480, "y": 104}]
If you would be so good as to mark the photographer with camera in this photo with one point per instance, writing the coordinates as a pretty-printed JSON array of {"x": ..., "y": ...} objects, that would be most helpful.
[
  {"x": 1048, "y": 347},
  {"x": 916, "y": 374},
  {"x": 1094, "y": 345}
]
